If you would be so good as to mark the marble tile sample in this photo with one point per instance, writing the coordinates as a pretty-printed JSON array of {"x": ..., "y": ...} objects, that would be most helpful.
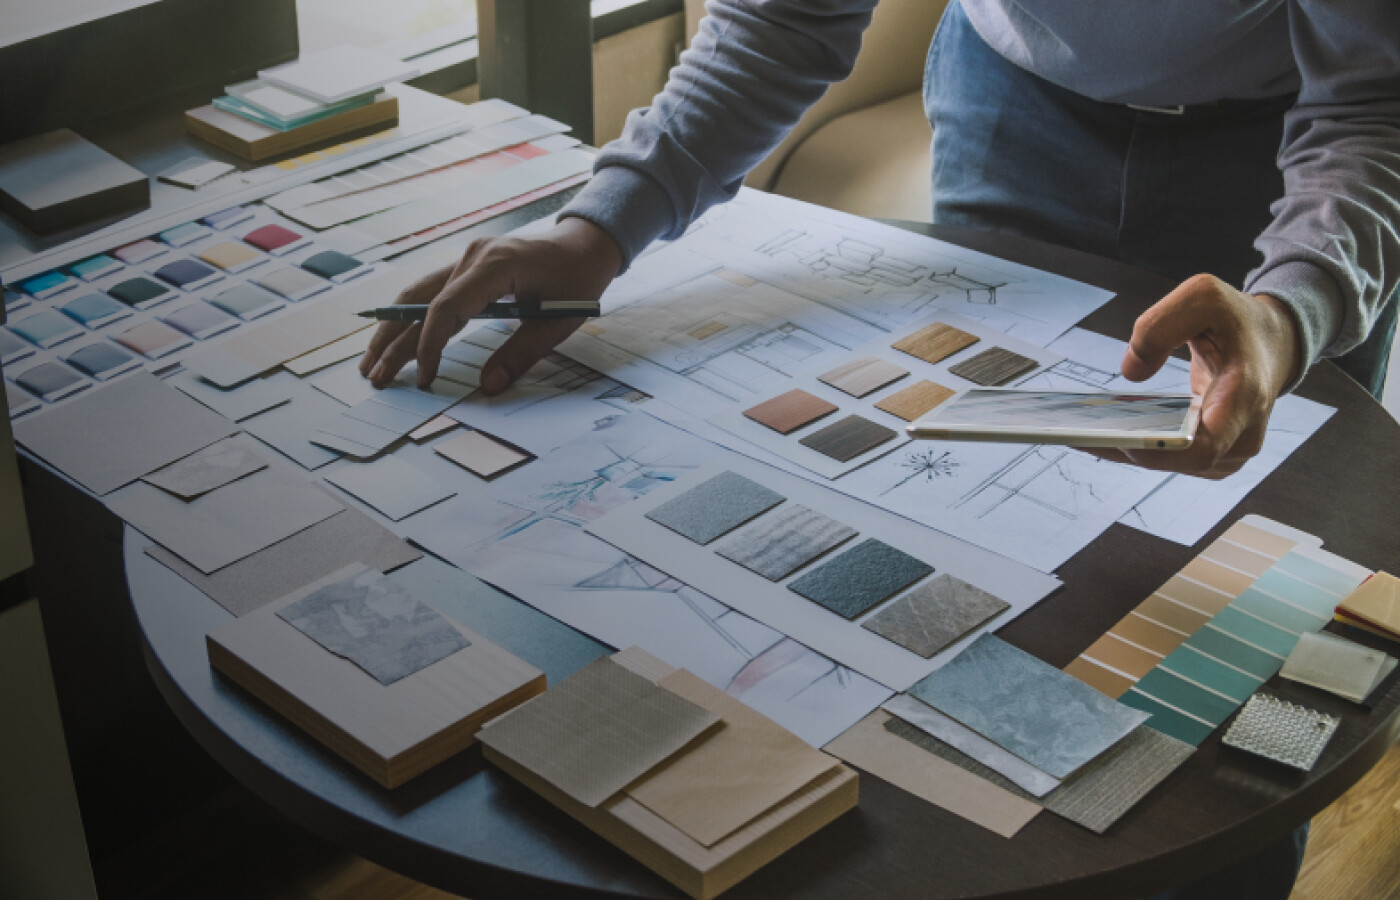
[
  {"x": 144, "y": 424},
  {"x": 914, "y": 401},
  {"x": 205, "y": 470},
  {"x": 935, "y": 343},
  {"x": 994, "y": 367},
  {"x": 863, "y": 376},
  {"x": 732, "y": 775},
  {"x": 597, "y": 731},
  {"x": 479, "y": 454},
  {"x": 1048, "y": 718},
  {"x": 376, "y": 624},
  {"x": 395, "y": 488},
  {"x": 843, "y": 441},
  {"x": 1100, "y": 792},
  {"x": 347, "y": 537},
  {"x": 780, "y": 544},
  {"x": 934, "y": 615},
  {"x": 788, "y": 412},
  {"x": 860, "y": 578},
  {"x": 715, "y": 507}
]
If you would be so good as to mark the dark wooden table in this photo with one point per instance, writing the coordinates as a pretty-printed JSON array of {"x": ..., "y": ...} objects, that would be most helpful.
[{"x": 468, "y": 829}]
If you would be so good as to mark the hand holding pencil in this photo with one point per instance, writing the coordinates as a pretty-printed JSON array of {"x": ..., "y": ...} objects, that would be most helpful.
[{"x": 564, "y": 270}]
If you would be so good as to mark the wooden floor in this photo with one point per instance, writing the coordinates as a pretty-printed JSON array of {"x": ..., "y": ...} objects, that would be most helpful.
[{"x": 235, "y": 848}]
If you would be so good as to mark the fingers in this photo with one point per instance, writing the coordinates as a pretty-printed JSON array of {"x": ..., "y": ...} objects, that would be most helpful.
[
  {"x": 466, "y": 294},
  {"x": 1186, "y": 313},
  {"x": 395, "y": 356},
  {"x": 421, "y": 291},
  {"x": 532, "y": 341}
]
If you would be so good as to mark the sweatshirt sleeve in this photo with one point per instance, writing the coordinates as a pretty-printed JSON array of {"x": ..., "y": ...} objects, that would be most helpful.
[
  {"x": 754, "y": 67},
  {"x": 1332, "y": 252}
]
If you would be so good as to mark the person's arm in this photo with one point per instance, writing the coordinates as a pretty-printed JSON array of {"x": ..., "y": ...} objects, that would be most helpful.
[
  {"x": 1331, "y": 254},
  {"x": 752, "y": 70}
]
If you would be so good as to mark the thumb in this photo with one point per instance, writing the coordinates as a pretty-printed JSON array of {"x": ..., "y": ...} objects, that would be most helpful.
[{"x": 1184, "y": 314}]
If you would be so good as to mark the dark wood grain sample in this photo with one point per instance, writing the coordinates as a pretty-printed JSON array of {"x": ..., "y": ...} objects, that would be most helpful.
[
  {"x": 993, "y": 367},
  {"x": 845, "y": 440}
]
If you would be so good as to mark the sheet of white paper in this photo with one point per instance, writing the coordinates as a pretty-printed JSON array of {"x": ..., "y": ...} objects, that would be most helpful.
[
  {"x": 390, "y": 485},
  {"x": 524, "y": 534},
  {"x": 774, "y": 604}
]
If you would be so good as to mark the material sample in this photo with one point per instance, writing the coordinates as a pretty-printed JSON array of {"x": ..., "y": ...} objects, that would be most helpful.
[
  {"x": 934, "y": 615},
  {"x": 935, "y": 343},
  {"x": 788, "y": 412},
  {"x": 843, "y": 441},
  {"x": 860, "y": 578},
  {"x": 780, "y": 544},
  {"x": 715, "y": 507},
  {"x": 994, "y": 367},
  {"x": 914, "y": 401},
  {"x": 863, "y": 376}
]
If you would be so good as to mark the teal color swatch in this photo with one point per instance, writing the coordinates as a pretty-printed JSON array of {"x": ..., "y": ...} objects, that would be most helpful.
[
  {"x": 92, "y": 308},
  {"x": 1285, "y": 587},
  {"x": 1290, "y": 618},
  {"x": 91, "y": 268},
  {"x": 1213, "y": 642},
  {"x": 183, "y": 234},
  {"x": 1174, "y": 690},
  {"x": 1190, "y": 663},
  {"x": 43, "y": 283},
  {"x": 44, "y": 327},
  {"x": 1168, "y": 721},
  {"x": 1255, "y": 631},
  {"x": 1314, "y": 572}
]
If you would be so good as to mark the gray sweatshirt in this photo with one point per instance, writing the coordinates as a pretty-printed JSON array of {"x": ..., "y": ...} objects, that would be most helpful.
[{"x": 1332, "y": 252}]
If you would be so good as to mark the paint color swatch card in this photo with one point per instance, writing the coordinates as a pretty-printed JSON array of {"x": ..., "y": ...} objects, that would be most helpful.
[
  {"x": 684, "y": 778},
  {"x": 228, "y": 523},
  {"x": 828, "y": 570},
  {"x": 121, "y": 431},
  {"x": 853, "y": 408},
  {"x": 382, "y": 679}
]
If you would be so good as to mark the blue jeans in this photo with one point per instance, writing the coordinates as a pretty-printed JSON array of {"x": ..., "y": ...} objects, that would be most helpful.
[{"x": 1174, "y": 194}]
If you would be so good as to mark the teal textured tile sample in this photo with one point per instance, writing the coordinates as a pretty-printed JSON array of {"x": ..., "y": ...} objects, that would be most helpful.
[
  {"x": 1049, "y": 718},
  {"x": 860, "y": 578},
  {"x": 780, "y": 544},
  {"x": 1202, "y": 669},
  {"x": 716, "y": 507},
  {"x": 1176, "y": 691}
]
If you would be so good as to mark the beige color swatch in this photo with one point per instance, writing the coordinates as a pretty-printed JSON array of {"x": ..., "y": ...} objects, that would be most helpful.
[
  {"x": 915, "y": 400},
  {"x": 390, "y": 732},
  {"x": 869, "y": 746},
  {"x": 1376, "y": 602},
  {"x": 863, "y": 376},
  {"x": 732, "y": 776},
  {"x": 935, "y": 343},
  {"x": 230, "y": 255},
  {"x": 479, "y": 454},
  {"x": 597, "y": 731}
]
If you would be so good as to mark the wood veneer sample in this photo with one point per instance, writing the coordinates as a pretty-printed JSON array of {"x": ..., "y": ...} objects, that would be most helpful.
[
  {"x": 994, "y": 367},
  {"x": 1376, "y": 603},
  {"x": 935, "y": 343},
  {"x": 732, "y": 776},
  {"x": 843, "y": 441},
  {"x": 863, "y": 376},
  {"x": 390, "y": 732},
  {"x": 597, "y": 731},
  {"x": 701, "y": 872},
  {"x": 916, "y": 400},
  {"x": 790, "y": 411}
]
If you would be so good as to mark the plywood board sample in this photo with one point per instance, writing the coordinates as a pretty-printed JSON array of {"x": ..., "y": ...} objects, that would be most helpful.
[
  {"x": 119, "y": 432},
  {"x": 701, "y": 872},
  {"x": 390, "y": 732},
  {"x": 936, "y": 342}
]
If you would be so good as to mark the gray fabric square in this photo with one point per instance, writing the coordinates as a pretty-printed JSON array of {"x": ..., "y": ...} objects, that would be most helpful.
[
  {"x": 375, "y": 624},
  {"x": 934, "y": 615},
  {"x": 861, "y": 578},
  {"x": 778, "y": 545},
  {"x": 716, "y": 507},
  {"x": 1049, "y": 718}
]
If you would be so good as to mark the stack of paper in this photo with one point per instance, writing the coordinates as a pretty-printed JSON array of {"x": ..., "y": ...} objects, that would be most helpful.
[{"x": 314, "y": 88}]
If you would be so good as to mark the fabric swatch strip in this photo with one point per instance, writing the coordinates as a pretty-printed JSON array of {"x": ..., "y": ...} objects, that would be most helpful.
[
  {"x": 375, "y": 624},
  {"x": 597, "y": 731},
  {"x": 715, "y": 507}
]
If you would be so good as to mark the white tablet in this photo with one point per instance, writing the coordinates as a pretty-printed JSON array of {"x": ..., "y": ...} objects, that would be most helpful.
[{"x": 1130, "y": 421}]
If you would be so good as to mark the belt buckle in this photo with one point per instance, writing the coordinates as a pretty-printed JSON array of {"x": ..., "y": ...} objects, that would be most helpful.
[{"x": 1178, "y": 110}]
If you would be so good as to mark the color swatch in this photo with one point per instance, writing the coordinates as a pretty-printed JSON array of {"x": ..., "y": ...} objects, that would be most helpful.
[
  {"x": 199, "y": 320},
  {"x": 477, "y": 452},
  {"x": 245, "y": 301},
  {"x": 790, "y": 411},
  {"x": 231, "y": 256},
  {"x": 140, "y": 292},
  {"x": 101, "y": 361},
  {"x": 94, "y": 310},
  {"x": 152, "y": 340},
  {"x": 46, "y": 328}
]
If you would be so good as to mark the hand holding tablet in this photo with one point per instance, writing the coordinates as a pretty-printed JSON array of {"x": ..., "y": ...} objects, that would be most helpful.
[{"x": 1127, "y": 421}]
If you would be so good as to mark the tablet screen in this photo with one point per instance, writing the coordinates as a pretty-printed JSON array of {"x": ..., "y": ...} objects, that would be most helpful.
[{"x": 1055, "y": 411}]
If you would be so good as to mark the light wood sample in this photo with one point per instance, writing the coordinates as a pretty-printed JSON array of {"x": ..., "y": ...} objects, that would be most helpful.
[
  {"x": 915, "y": 400},
  {"x": 391, "y": 733},
  {"x": 702, "y": 872},
  {"x": 862, "y": 376},
  {"x": 935, "y": 343}
]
